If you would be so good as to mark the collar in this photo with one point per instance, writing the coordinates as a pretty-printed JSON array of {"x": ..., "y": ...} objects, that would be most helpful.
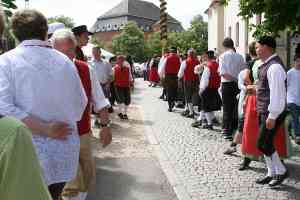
[
  {"x": 40, "y": 43},
  {"x": 271, "y": 57},
  {"x": 266, "y": 61}
]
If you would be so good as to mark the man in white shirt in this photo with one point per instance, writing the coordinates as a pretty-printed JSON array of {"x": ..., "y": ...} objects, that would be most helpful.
[
  {"x": 293, "y": 95},
  {"x": 64, "y": 41},
  {"x": 230, "y": 64},
  {"x": 41, "y": 87},
  {"x": 271, "y": 103}
]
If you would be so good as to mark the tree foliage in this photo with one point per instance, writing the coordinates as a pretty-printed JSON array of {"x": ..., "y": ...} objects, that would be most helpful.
[
  {"x": 279, "y": 15},
  {"x": 195, "y": 37},
  {"x": 67, "y": 21},
  {"x": 130, "y": 42},
  {"x": 8, "y": 6}
]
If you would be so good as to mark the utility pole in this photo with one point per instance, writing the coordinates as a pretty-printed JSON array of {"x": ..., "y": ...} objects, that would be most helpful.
[{"x": 163, "y": 24}]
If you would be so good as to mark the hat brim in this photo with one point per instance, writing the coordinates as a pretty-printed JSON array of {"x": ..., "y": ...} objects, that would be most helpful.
[{"x": 90, "y": 33}]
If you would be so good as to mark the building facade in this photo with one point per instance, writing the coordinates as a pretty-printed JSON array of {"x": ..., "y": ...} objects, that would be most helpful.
[
  {"x": 223, "y": 21},
  {"x": 145, "y": 14}
]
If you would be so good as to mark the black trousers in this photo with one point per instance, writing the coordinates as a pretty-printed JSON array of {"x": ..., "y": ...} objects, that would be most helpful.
[
  {"x": 230, "y": 107},
  {"x": 123, "y": 95},
  {"x": 171, "y": 88},
  {"x": 265, "y": 142},
  {"x": 56, "y": 190},
  {"x": 112, "y": 97}
]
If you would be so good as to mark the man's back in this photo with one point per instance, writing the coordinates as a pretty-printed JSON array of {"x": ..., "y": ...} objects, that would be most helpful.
[{"x": 39, "y": 81}]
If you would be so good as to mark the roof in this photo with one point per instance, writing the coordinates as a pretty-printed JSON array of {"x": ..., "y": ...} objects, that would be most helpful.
[{"x": 137, "y": 8}]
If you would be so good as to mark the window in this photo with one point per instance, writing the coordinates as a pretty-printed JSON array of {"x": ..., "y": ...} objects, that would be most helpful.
[
  {"x": 229, "y": 31},
  {"x": 237, "y": 34}
]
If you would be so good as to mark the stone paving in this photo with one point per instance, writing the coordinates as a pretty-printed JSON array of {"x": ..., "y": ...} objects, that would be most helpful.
[{"x": 194, "y": 162}]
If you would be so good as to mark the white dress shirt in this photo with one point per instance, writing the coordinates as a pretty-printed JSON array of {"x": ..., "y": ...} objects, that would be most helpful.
[
  {"x": 276, "y": 79},
  {"x": 161, "y": 67},
  {"x": 40, "y": 81},
  {"x": 98, "y": 99},
  {"x": 204, "y": 80},
  {"x": 293, "y": 86},
  {"x": 231, "y": 63},
  {"x": 103, "y": 70},
  {"x": 182, "y": 69}
]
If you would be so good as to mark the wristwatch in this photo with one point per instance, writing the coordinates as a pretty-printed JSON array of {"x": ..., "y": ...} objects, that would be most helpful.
[{"x": 104, "y": 125}]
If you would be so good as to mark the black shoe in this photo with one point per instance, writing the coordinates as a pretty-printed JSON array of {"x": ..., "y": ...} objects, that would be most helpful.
[
  {"x": 196, "y": 124},
  {"x": 170, "y": 110},
  {"x": 245, "y": 164},
  {"x": 110, "y": 109},
  {"x": 150, "y": 85},
  {"x": 263, "y": 181},
  {"x": 190, "y": 116},
  {"x": 97, "y": 123},
  {"x": 185, "y": 113},
  {"x": 209, "y": 127},
  {"x": 125, "y": 117},
  {"x": 161, "y": 97},
  {"x": 278, "y": 179},
  {"x": 120, "y": 115},
  {"x": 230, "y": 151},
  {"x": 216, "y": 122},
  {"x": 228, "y": 137},
  {"x": 180, "y": 105}
]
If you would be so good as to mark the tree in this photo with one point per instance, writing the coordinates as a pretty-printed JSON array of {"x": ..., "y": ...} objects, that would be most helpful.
[
  {"x": 67, "y": 21},
  {"x": 8, "y": 6},
  {"x": 131, "y": 42},
  {"x": 195, "y": 37},
  {"x": 278, "y": 15},
  {"x": 153, "y": 45}
]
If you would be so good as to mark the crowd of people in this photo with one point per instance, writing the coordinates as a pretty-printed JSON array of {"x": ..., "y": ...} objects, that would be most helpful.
[
  {"x": 48, "y": 93},
  {"x": 258, "y": 98}
]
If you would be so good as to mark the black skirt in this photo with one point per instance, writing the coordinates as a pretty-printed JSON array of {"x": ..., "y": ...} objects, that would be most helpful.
[{"x": 211, "y": 100}]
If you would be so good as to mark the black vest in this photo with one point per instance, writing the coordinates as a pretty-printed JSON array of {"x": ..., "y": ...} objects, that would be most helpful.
[{"x": 263, "y": 89}]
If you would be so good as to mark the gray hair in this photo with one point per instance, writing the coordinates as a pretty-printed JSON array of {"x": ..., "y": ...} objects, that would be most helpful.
[{"x": 63, "y": 34}]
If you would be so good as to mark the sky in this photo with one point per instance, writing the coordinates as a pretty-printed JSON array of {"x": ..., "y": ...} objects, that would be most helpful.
[{"x": 87, "y": 11}]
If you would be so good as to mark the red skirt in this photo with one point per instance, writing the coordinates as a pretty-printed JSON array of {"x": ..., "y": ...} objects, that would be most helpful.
[
  {"x": 251, "y": 132},
  {"x": 154, "y": 77}
]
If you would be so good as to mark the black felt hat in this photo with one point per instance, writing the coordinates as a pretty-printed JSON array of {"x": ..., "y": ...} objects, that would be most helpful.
[
  {"x": 268, "y": 41},
  {"x": 80, "y": 29}
]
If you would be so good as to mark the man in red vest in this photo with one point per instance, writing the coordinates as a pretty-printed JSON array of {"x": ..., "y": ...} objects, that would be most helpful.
[
  {"x": 82, "y": 36},
  {"x": 122, "y": 79},
  {"x": 209, "y": 85},
  {"x": 191, "y": 81},
  {"x": 169, "y": 70},
  {"x": 64, "y": 41}
]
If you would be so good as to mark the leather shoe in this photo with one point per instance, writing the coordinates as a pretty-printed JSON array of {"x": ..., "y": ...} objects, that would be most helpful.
[
  {"x": 265, "y": 180},
  {"x": 278, "y": 179}
]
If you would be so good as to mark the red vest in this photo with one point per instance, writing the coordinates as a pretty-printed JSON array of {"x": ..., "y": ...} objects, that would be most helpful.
[
  {"x": 189, "y": 74},
  {"x": 172, "y": 64},
  {"x": 214, "y": 79},
  {"x": 122, "y": 78},
  {"x": 84, "y": 125}
]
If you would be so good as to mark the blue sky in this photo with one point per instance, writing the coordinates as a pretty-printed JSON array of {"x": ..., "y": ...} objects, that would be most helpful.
[{"x": 86, "y": 12}]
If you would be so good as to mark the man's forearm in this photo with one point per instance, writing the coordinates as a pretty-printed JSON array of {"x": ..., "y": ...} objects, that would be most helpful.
[{"x": 36, "y": 125}]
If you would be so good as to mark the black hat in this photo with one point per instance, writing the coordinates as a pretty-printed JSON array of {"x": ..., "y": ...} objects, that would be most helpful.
[
  {"x": 268, "y": 41},
  {"x": 80, "y": 29},
  {"x": 210, "y": 54},
  {"x": 173, "y": 49}
]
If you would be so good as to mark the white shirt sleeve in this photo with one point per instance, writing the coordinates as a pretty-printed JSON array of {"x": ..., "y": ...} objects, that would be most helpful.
[
  {"x": 241, "y": 81},
  {"x": 162, "y": 66},
  {"x": 182, "y": 69},
  {"x": 276, "y": 78},
  {"x": 98, "y": 99},
  {"x": 204, "y": 80},
  {"x": 7, "y": 95}
]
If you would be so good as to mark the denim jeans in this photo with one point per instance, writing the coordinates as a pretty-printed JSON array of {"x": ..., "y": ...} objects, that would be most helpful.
[{"x": 295, "y": 112}]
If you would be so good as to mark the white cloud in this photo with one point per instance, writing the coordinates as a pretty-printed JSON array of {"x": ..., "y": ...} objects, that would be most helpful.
[{"x": 86, "y": 12}]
